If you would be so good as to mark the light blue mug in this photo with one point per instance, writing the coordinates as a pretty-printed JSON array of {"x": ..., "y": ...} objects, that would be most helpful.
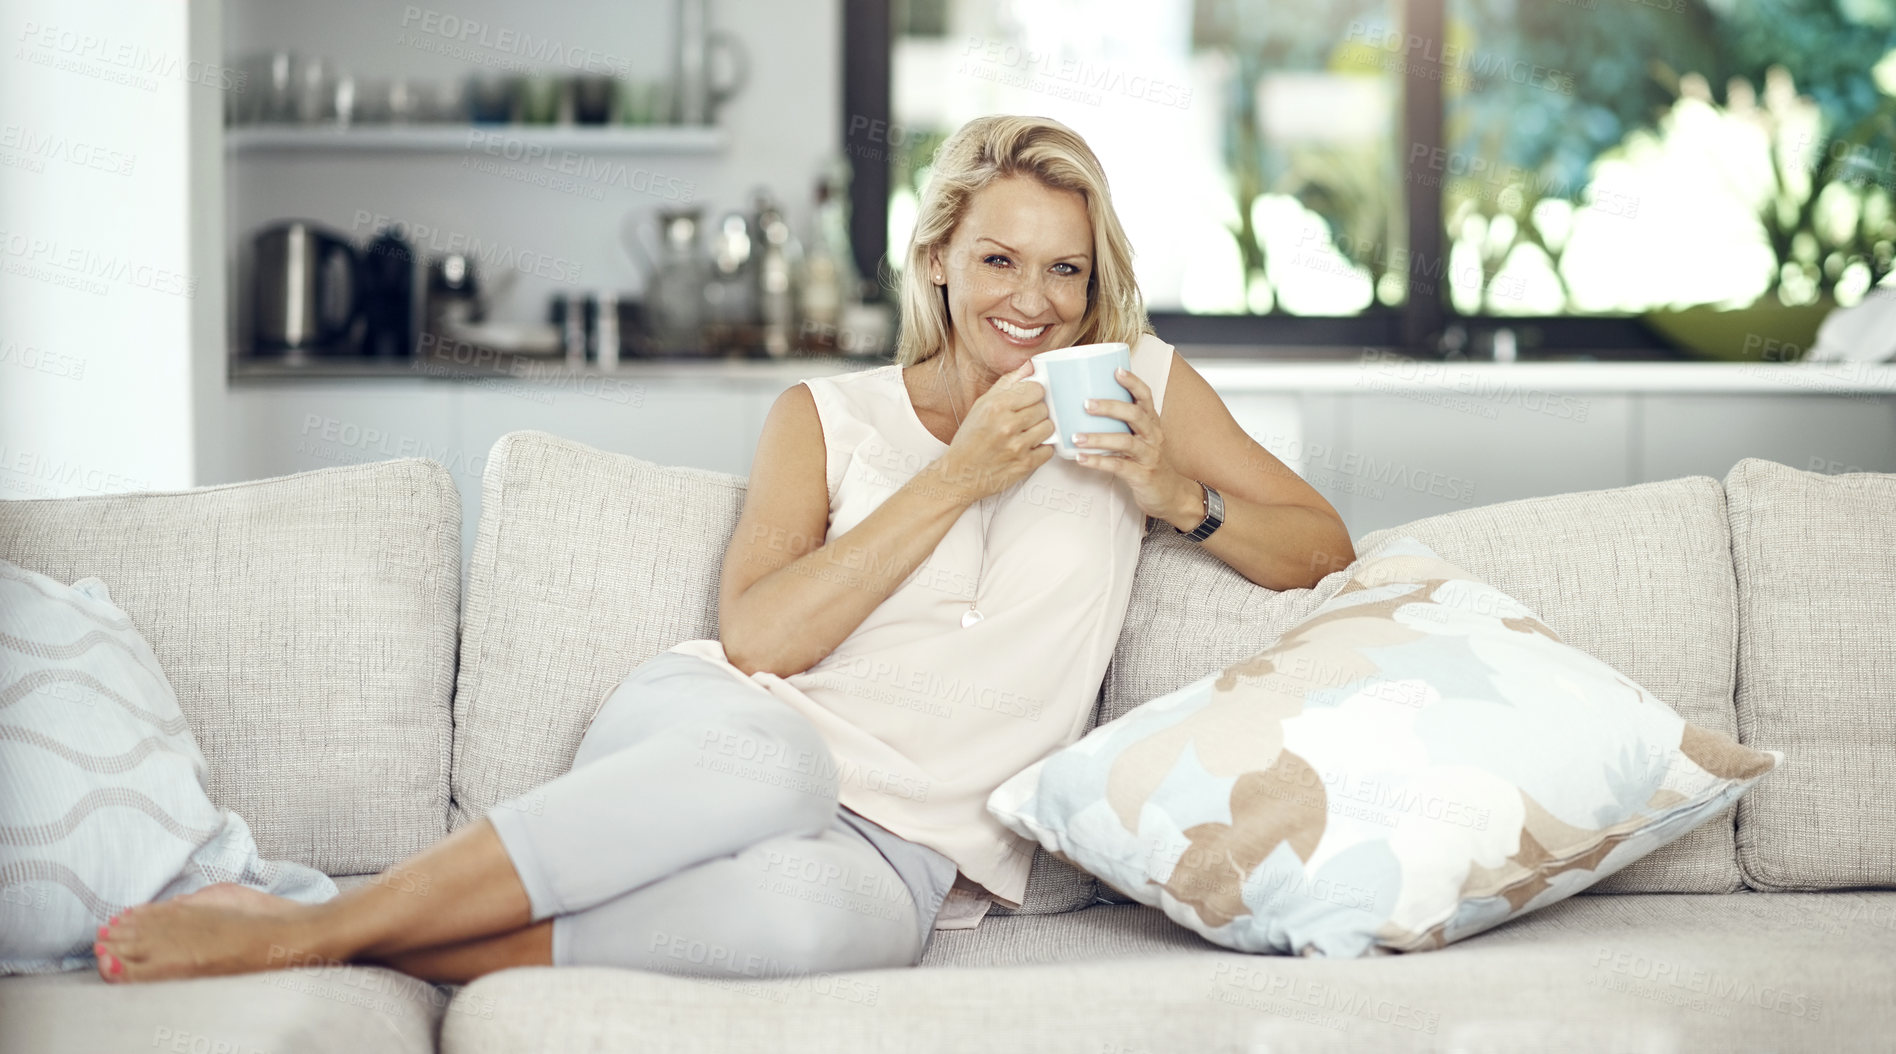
[{"x": 1073, "y": 375}]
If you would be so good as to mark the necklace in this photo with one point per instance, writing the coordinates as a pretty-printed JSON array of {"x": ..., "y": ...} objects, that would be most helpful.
[{"x": 973, "y": 614}]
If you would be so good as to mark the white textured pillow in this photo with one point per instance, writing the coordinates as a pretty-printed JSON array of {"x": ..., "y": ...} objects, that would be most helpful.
[
  {"x": 1419, "y": 760},
  {"x": 102, "y": 785}
]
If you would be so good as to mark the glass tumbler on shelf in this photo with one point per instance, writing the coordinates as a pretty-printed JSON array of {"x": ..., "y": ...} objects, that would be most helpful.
[
  {"x": 375, "y": 100},
  {"x": 316, "y": 92},
  {"x": 400, "y": 99},
  {"x": 493, "y": 99},
  {"x": 348, "y": 91},
  {"x": 634, "y": 102},
  {"x": 441, "y": 101},
  {"x": 595, "y": 98},
  {"x": 545, "y": 99},
  {"x": 245, "y": 103},
  {"x": 644, "y": 102},
  {"x": 269, "y": 89}
]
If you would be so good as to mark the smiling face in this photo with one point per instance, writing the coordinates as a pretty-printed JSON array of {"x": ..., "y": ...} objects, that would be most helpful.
[{"x": 1016, "y": 269}]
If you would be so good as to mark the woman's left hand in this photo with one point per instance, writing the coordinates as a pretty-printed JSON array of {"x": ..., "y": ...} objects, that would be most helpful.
[{"x": 1138, "y": 459}]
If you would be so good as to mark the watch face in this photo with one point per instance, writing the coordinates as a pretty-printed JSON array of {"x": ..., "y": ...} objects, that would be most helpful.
[{"x": 1214, "y": 513}]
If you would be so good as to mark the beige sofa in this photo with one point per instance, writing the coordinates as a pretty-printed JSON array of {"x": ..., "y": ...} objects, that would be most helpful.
[{"x": 357, "y": 704}]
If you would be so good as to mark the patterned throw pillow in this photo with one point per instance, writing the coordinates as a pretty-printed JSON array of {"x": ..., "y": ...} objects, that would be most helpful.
[
  {"x": 102, "y": 799},
  {"x": 1418, "y": 761}
]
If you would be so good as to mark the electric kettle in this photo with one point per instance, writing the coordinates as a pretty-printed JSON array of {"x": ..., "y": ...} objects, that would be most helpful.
[{"x": 308, "y": 293}]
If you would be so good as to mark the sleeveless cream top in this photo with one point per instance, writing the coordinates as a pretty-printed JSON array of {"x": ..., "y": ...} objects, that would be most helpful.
[{"x": 925, "y": 718}]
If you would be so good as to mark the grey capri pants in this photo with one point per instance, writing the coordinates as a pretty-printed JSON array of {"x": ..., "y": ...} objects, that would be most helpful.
[{"x": 698, "y": 833}]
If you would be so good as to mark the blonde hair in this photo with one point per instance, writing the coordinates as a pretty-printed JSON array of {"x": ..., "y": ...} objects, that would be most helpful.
[{"x": 990, "y": 148}]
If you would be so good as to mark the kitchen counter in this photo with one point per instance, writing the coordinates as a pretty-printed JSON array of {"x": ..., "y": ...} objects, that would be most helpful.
[
  {"x": 1385, "y": 438},
  {"x": 1361, "y": 372},
  {"x": 1493, "y": 380}
]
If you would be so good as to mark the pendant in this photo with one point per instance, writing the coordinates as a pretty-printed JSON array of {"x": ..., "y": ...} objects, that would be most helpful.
[{"x": 970, "y": 617}]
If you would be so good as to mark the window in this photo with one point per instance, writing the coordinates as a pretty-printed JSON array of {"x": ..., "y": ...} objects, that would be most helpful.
[
  {"x": 1659, "y": 153},
  {"x": 1411, "y": 172}
]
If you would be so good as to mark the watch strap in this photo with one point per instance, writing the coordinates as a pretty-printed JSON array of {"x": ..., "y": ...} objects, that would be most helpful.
[{"x": 1214, "y": 514}]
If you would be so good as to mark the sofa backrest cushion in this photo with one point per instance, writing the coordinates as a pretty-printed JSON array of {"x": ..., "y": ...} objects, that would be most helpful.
[
  {"x": 1640, "y": 578},
  {"x": 1191, "y": 614},
  {"x": 586, "y": 564},
  {"x": 307, "y": 624},
  {"x": 1816, "y": 567}
]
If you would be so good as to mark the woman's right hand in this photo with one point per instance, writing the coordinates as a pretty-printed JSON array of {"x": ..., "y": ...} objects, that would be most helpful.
[{"x": 1000, "y": 443}]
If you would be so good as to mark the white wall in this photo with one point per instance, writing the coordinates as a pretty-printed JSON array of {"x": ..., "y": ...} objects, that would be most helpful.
[{"x": 103, "y": 300}]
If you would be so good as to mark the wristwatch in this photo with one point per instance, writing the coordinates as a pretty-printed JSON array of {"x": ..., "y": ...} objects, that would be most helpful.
[{"x": 1214, "y": 515}]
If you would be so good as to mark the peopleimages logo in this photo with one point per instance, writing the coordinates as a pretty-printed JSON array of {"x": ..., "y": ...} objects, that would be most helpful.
[
  {"x": 494, "y": 255},
  {"x": 1435, "y": 58},
  {"x": 1668, "y": 981},
  {"x": 1491, "y": 390},
  {"x": 878, "y": 140},
  {"x": 76, "y": 266},
  {"x": 1069, "y": 78},
  {"x": 568, "y": 171},
  {"x": 469, "y": 36},
  {"x": 1324, "y": 458},
  {"x": 768, "y": 761},
  {"x": 28, "y": 357},
  {"x": 1233, "y": 977},
  {"x": 122, "y": 61},
  {"x": 346, "y": 442},
  {"x": 37, "y": 146},
  {"x": 1341, "y": 254},
  {"x": 31, "y": 471}
]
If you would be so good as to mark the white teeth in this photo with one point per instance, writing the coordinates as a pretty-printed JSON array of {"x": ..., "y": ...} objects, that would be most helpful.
[{"x": 1016, "y": 332}]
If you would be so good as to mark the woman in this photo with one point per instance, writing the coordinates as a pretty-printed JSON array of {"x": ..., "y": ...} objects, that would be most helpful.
[{"x": 919, "y": 600}]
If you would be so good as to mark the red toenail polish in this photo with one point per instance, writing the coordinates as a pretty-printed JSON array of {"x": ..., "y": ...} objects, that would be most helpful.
[
  {"x": 116, "y": 967},
  {"x": 102, "y": 930}
]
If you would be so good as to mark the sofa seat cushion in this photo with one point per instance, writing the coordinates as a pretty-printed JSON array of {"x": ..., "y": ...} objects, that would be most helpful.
[
  {"x": 313, "y": 1010},
  {"x": 1816, "y": 566},
  {"x": 586, "y": 564},
  {"x": 1640, "y": 578},
  {"x": 307, "y": 624},
  {"x": 1748, "y": 971}
]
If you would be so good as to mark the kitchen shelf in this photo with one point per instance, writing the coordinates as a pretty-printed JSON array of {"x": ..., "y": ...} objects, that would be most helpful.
[{"x": 464, "y": 138}]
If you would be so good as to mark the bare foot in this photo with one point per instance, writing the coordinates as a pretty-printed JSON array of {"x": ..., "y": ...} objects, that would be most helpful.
[
  {"x": 186, "y": 937},
  {"x": 241, "y": 898}
]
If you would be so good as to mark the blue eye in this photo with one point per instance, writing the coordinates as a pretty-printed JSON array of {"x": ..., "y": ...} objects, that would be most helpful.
[
  {"x": 1070, "y": 269},
  {"x": 993, "y": 257}
]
